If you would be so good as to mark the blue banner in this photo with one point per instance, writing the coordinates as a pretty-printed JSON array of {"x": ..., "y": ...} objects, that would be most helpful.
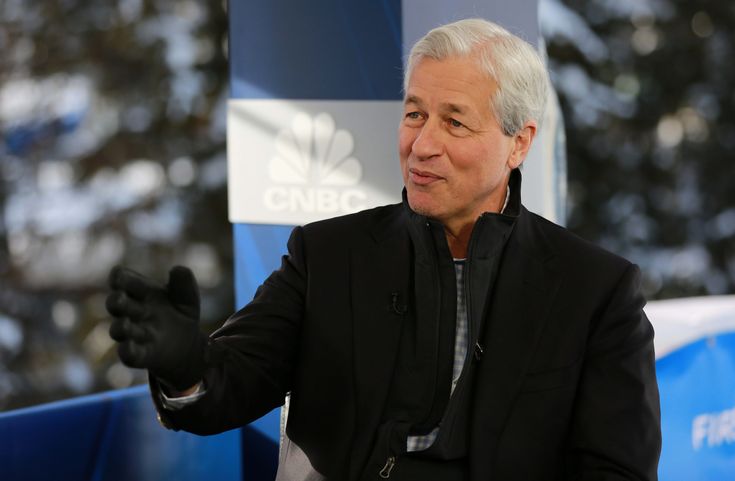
[{"x": 697, "y": 385}]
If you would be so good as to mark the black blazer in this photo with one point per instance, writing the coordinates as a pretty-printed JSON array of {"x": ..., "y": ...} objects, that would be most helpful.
[{"x": 566, "y": 388}]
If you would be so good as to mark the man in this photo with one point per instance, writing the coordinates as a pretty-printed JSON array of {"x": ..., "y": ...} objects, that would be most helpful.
[{"x": 454, "y": 337}]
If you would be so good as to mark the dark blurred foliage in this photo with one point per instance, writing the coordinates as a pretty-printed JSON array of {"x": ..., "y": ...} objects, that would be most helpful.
[
  {"x": 112, "y": 151},
  {"x": 646, "y": 89}
]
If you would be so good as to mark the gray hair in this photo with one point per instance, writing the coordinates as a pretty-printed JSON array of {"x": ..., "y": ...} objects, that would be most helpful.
[{"x": 514, "y": 65}]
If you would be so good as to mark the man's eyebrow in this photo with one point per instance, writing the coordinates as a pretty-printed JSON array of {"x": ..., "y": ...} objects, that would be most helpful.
[
  {"x": 454, "y": 108},
  {"x": 447, "y": 107}
]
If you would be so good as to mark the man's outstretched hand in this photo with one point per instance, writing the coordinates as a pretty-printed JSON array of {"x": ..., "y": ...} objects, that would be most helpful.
[{"x": 157, "y": 326}]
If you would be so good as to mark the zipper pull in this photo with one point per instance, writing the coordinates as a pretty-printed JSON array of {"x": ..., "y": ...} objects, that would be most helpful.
[
  {"x": 389, "y": 463},
  {"x": 478, "y": 352}
]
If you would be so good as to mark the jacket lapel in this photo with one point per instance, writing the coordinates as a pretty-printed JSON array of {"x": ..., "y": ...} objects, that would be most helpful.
[
  {"x": 380, "y": 280},
  {"x": 526, "y": 287}
]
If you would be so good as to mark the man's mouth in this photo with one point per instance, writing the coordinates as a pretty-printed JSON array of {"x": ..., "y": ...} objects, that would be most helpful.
[{"x": 423, "y": 177}]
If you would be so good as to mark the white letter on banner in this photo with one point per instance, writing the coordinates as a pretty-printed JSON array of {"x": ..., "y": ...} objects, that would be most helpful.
[
  {"x": 348, "y": 205},
  {"x": 327, "y": 201},
  {"x": 725, "y": 427},
  {"x": 302, "y": 200},
  {"x": 276, "y": 198},
  {"x": 699, "y": 430}
]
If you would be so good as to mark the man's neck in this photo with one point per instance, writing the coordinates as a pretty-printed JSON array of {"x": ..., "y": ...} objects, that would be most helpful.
[
  {"x": 458, "y": 233},
  {"x": 459, "y": 240}
]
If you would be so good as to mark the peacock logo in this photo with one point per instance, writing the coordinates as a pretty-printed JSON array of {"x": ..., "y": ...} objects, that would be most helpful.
[
  {"x": 313, "y": 151},
  {"x": 314, "y": 168}
]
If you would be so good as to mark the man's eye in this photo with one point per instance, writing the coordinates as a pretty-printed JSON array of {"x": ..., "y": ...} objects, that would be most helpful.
[
  {"x": 413, "y": 115},
  {"x": 455, "y": 123}
]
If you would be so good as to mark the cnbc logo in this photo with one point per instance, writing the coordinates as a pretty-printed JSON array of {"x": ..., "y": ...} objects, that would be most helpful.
[{"x": 313, "y": 169}]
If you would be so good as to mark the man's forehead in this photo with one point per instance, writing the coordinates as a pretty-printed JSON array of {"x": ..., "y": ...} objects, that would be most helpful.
[
  {"x": 457, "y": 80},
  {"x": 449, "y": 106}
]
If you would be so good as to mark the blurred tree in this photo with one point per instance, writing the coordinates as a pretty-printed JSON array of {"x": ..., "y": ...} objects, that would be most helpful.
[
  {"x": 113, "y": 151},
  {"x": 646, "y": 91}
]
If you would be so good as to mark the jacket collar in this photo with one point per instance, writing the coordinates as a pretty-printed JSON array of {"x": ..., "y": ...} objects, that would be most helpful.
[{"x": 489, "y": 228}]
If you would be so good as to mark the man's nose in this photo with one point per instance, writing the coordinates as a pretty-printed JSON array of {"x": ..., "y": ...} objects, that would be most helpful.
[{"x": 427, "y": 143}]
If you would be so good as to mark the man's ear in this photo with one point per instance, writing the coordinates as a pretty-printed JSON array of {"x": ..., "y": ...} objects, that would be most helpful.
[{"x": 522, "y": 141}]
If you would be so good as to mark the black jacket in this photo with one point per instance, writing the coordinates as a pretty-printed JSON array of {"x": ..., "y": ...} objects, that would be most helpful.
[{"x": 566, "y": 387}]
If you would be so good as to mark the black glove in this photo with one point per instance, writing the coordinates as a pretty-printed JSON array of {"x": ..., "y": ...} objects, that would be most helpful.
[{"x": 157, "y": 326}]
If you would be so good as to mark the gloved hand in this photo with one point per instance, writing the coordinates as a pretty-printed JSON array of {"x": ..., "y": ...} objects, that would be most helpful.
[{"x": 157, "y": 326}]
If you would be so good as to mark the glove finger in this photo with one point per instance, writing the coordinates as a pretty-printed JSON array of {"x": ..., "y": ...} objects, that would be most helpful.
[
  {"x": 123, "y": 329},
  {"x": 120, "y": 304},
  {"x": 134, "y": 284},
  {"x": 114, "y": 303},
  {"x": 118, "y": 331},
  {"x": 133, "y": 354},
  {"x": 183, "y": 291}
]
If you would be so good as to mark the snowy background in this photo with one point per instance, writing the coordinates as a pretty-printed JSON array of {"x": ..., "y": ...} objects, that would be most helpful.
[{"x": 112, "y": 150}]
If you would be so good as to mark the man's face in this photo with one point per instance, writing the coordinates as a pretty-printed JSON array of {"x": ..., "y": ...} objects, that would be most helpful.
[{"x": 455, "y": 159}]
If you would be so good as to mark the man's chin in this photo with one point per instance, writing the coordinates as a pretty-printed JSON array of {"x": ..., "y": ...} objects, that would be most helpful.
[{"x": 423, "y": 207}]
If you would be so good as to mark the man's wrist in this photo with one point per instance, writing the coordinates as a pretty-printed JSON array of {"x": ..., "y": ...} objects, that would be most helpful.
[
  {"x": 188, "y": 371},
  {"x": 186, "y": 392},
  {"x": 173, "y": 393},
  {"x": 176, "y": 400}
]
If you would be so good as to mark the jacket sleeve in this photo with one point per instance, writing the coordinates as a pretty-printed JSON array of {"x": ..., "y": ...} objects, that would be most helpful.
[
  {"x": 251, "y": 357},
  {"x": 616, "y": 433}
]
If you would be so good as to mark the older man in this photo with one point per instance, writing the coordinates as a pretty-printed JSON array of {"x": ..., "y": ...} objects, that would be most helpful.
[{"x": 455, "y": 336}]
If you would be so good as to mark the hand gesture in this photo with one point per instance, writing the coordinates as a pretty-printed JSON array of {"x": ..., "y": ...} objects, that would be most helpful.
[{"x": 157, "y": 326}]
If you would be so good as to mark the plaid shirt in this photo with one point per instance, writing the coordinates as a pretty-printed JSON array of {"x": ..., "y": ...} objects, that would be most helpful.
[{"x": 461, "y": 341}]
